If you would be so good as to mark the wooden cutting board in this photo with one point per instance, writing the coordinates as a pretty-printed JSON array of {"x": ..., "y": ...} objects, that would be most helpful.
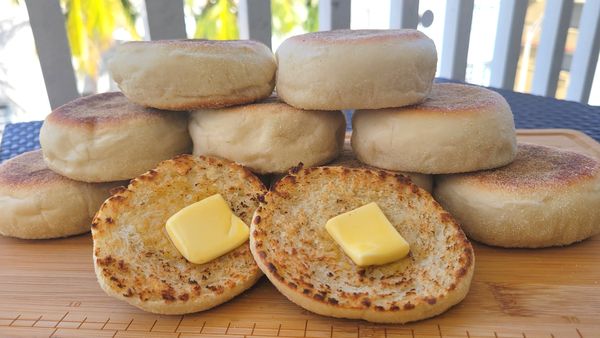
[{"x": 48, "y": 288}]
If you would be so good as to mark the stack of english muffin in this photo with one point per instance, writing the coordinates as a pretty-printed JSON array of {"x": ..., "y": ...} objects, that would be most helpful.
[
  {"x": 503, "y": 193},
  {"x": 89, "y": 146},
  {"x": 216, "y": 99}
]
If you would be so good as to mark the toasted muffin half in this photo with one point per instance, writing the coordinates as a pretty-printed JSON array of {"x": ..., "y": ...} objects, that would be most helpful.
[
  {"x": 291, "y": 245},
  {"x": 134, "y": 258}
]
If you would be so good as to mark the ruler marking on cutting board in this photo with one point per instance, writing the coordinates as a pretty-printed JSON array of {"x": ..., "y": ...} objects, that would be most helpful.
[
  {"x": 437, "y": 328},
  {"x": 14, "y": 320}
]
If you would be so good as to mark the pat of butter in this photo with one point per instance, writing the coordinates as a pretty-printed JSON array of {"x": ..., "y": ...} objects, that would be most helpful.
[
  {"x": 206, "y": 230},
  {"x": 367, "y": 236}
]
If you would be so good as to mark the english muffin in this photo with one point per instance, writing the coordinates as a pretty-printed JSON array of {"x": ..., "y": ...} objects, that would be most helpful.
[
  {"x": 546, "y": 197},
  {"x": 356, "y": 69},
  {"x": 104, "y": 137},
  {"x": 292, "y": 247},
  {"x": 134, "y": 258},
  {"x": 459, "y": 128},
  {"x": 268, "y": 136},
  {"x": 38, "y": 203},
  {"x": 191, "y": 74}
]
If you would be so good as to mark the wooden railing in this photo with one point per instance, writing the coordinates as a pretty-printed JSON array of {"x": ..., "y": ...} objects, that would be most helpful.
[{"x": 166, "y": 21}]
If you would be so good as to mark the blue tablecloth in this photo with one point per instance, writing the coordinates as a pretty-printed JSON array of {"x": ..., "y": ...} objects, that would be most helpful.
[
  {"x": 19, "y": 138},
  {"x": 530, "y": 112}
]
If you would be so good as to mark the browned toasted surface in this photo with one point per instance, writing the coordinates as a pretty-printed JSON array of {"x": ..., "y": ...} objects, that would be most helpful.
[
  {"x": 134, "y": 257},
  {"x": 359, "y": 36},
  {"x": 454, "y": 97},
  {"x": 294, "y": 249},
  {"x": 102, "y": 109},
  {"x": 212, "y": 102},
  {"x": 271, "y": 103},
  {"x": 199, "y": 44},
  {"x": 27, "y": 169},
  {"x": 348, "y": 159},
  {"x": 537, "y": 166}
]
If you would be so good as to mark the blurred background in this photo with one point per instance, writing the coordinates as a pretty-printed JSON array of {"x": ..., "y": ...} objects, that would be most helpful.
[{"x": 94, "y": 27}]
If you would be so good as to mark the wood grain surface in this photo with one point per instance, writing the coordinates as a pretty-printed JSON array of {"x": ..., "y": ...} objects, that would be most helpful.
[{"x": 48, "y": 288}]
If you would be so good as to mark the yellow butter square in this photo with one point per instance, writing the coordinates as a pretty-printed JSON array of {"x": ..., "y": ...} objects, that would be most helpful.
[
  {"x": 367, "y": 236},
  {"x": 206, "y": 230}
]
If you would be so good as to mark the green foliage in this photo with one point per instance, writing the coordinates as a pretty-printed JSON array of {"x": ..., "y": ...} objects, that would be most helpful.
[
  {"x": 90, "y": 25},
  {"x": 312, "y": 20},
  {"x": 285, "y": 18},
  {"x": 217, "y": 21},
  {"x": 290, "y": 14}
]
